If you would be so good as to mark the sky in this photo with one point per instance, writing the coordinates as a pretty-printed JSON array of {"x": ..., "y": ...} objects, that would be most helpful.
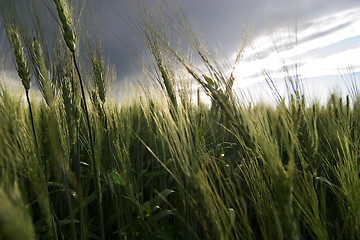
[{"x": 320, "y": 37}]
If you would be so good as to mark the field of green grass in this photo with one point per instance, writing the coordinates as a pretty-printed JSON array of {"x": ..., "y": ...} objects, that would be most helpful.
[{"x": 74, "y": 165}]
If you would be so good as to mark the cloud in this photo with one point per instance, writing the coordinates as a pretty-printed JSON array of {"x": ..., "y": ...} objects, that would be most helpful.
[
  {"x": 320, "y": 23},
  {"x": 326, "y": 45}
]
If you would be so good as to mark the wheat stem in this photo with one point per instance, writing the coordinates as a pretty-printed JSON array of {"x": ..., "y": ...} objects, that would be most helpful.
[
  {"x": 97, "y": 173},
  {"x": 32, "y": 120}
]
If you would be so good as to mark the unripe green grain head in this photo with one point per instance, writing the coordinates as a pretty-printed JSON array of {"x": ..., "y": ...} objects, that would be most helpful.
[
  {"x": 41, "y": 74},
  {"x": 19, "y": 58},
  {"x": 64, "y": 16},
  {"x": 99, "y": 78}
]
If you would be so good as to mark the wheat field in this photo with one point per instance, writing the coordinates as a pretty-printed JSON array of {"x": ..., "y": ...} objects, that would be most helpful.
[{"x": 163, "y": 165}]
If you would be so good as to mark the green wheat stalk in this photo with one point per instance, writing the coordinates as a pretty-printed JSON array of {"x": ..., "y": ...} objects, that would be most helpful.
[
  {"x": 22, "y": 70},
  {"x": 70, "y": 40}
]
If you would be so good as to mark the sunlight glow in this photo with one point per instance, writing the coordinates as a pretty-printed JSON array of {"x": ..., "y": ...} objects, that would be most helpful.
[{"x": 317, "y": 52}]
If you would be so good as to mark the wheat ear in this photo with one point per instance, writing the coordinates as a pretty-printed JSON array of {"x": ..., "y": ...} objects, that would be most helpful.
[
  {"x": 65, "y": 19},
  {"x": 22, "y": 71},
  {"x": 19, "y": 58}
]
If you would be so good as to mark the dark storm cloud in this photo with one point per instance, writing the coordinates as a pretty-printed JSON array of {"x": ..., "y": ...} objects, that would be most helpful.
[
  {"x": 119, "y": 39},
  {"x": 221, "y": 22}
]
